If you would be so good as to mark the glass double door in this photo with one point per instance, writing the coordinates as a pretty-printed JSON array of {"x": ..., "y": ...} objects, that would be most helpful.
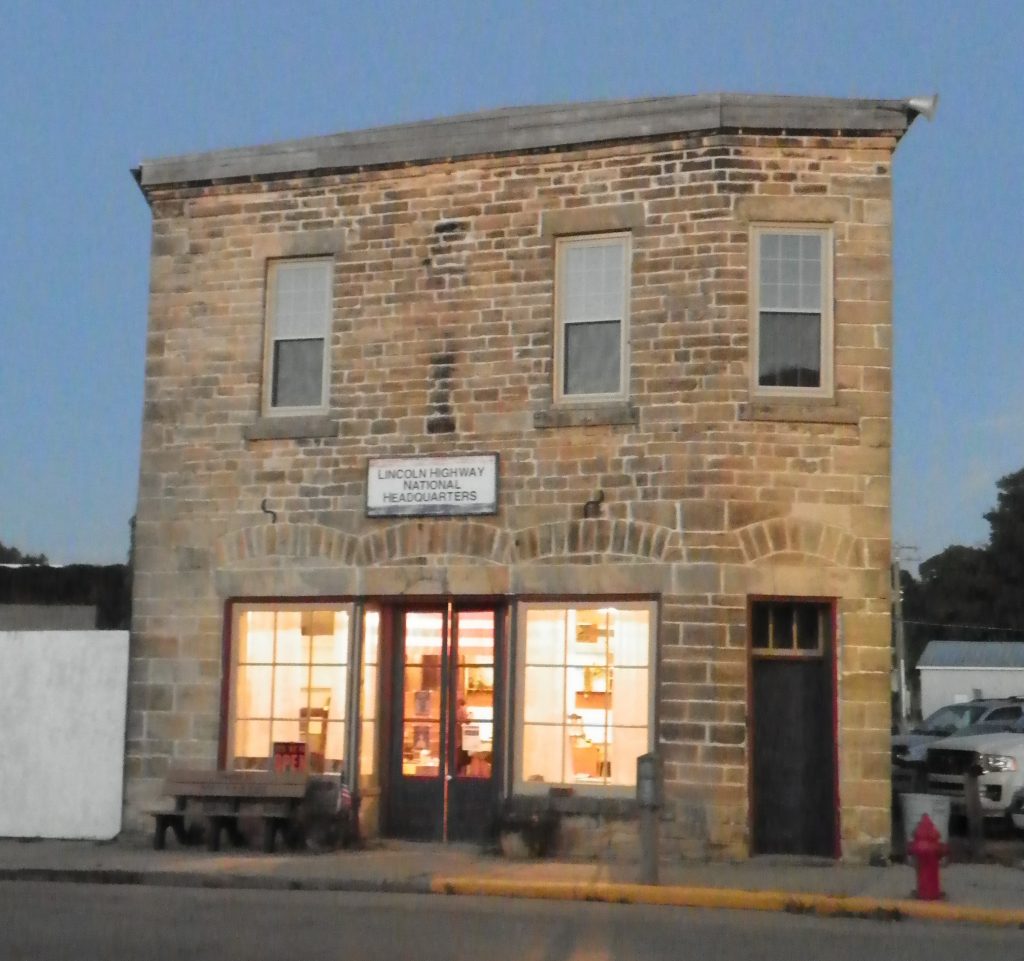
[{"x": 445, "y": 719}]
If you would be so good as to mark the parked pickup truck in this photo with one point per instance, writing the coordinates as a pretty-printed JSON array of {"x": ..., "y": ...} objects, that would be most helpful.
[
  {"x": 909, "y": 750},
  {"x": 998, "y": 752}
]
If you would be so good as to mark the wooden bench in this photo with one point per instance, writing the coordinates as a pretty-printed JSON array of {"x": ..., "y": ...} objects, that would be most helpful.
[{"x": 221, "y": 797}]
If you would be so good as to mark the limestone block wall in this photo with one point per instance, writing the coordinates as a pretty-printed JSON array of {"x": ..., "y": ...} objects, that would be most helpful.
[{"x": 442, "y": 343}]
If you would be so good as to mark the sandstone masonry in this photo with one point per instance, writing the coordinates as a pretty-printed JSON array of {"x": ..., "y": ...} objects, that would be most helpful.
[{"x": 441, "y": 342}]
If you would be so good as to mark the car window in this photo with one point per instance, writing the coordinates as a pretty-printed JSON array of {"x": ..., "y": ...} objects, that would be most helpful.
[
  {"x": 1003, "y": 714},
  {"x": 946, "y": 720}
]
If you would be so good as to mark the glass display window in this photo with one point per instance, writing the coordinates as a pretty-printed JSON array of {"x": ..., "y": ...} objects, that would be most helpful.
[
  {"x": 288, "y": 687},
  {"x": 584, "y": 694}
]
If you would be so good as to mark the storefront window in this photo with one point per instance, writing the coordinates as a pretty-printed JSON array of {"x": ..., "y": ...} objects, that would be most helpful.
[
  {"x": 583, "y": 716},
  {"x": 368, "y": 700},
  {"x": 288, "y": 692}
]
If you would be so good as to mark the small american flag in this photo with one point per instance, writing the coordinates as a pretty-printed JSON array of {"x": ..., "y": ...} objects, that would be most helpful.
[{"x": 344, "y": 798}]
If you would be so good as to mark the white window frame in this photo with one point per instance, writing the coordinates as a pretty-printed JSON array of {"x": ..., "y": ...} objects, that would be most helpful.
[
  {"x": 524, "y": 787},
  {"x": 237, "y": 611},
  {"x": 270, "y": 339},
  {"x": 827, "y": 359},
  {"x": 623, "y": 238}
]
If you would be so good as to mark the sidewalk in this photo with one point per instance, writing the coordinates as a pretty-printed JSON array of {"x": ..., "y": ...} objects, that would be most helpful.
[{"x": 985, "y": 893}]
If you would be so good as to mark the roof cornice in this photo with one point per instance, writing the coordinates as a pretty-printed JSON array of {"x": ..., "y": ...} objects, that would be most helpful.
[{"x": 523, "y": 129}]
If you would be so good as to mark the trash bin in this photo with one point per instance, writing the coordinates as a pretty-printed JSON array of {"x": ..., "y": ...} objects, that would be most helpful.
[{"x": 915, "y": 806}]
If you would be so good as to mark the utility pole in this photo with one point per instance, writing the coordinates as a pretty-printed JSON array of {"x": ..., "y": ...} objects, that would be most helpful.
[
  {"x": 903, "y": 699},
  {"x": 900, "y": 645}
]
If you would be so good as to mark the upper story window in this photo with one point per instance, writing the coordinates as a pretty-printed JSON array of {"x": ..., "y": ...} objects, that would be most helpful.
[
  {"x": 791, "y": 341},
  {"x": 298, "y": 324},
  {"x": 592, "y": 317}
]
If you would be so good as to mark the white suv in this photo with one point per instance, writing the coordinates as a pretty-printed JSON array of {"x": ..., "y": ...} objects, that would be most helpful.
[
  {"x": 909, "y": 750},
  {"x": 999, "y": 757}
]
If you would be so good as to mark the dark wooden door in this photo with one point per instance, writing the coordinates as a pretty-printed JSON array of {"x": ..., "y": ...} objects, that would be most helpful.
[
  {"x": 794, "y": 763},
  {"x": 444, "y": 723}
]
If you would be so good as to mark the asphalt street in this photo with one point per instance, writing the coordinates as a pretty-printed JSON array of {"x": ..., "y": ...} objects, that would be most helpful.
[{"x": 53, "y": 922}]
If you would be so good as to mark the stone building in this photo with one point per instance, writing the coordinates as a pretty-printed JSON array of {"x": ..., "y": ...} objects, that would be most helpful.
[{"x": 482, "y": 456}]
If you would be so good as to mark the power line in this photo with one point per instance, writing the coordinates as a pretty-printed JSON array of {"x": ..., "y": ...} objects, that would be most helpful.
[{"x": 967, "y": 627}]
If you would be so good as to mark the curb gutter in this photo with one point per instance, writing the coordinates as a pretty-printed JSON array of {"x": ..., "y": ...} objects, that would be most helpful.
[
  {"x": 202, "y": 879},
  {"x": 826, "y": 905}
]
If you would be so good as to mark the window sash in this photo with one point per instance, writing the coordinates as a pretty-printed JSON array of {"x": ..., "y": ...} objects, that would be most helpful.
[
  {"x": 792, "y": 324},
  {"x": 592, "y": 306},
  {"x": 282, "y": 679},
  {"x": 564, "y": 718},
  {"x": 298, "y": 323}
]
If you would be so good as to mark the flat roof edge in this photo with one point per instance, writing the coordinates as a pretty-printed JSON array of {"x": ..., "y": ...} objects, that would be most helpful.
[{"x": 533, "y": 128}]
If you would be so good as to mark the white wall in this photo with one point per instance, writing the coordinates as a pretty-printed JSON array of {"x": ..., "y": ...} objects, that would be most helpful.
[
  {"x": 947, "y": 685},
  {"x": 63, "y": 697}
]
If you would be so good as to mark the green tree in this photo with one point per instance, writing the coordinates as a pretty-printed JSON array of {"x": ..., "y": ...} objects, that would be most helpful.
[
  {"x": 11, "y": 555},
  {"x": 973, "y": 593},
  {"x": 1005, "y": 552}
]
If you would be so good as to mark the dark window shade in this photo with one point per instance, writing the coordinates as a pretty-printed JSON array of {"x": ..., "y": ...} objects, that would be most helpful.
[
  {"x": 298, "y": 373},
  {"x": 593, "y": 357},
  {"x": 789, "y": 350}
]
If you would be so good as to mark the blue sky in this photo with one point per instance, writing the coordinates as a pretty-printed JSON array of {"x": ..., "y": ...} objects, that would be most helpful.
[{"x": 89, "y": 89}]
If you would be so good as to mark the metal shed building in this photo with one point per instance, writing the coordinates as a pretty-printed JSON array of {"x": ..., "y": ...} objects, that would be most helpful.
[{"x": 953, "y": 671}]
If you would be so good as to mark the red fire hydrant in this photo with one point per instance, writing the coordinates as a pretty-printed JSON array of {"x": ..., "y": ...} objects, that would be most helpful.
[{"x": 927, "y": 848}]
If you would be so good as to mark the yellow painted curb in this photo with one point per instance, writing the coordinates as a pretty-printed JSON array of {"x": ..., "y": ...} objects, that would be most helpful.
[{"x": 681, "y": 897}]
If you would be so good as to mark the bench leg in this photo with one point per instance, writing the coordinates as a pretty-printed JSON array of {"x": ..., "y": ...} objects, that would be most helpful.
[
  {"x": 269, "y": 835},
  {"x": 213, "y": 828},
  {"x": 235, "y": 836},
  {"x": 160, "y": 833},
  {"x": 178, "y": 826}
]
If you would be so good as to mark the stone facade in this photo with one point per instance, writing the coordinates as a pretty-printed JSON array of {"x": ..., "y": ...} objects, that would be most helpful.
[{"x": 442, "y": 343}]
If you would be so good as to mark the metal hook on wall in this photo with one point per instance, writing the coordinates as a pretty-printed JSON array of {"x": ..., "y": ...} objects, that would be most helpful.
[{"x": 267, "y": 510}]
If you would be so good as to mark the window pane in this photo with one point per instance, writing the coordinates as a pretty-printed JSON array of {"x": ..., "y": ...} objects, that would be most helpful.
[
  {"x": 302, "y": 301},
  {"x": 592, "y": 358},
  {"x": 626, "y": 746},
  {"x": 327, "y": 690},
  {"x": 630, "y": 696},
  {"x": 252, "y": 744},
  {"x": 790, "y": 269},
  {"x": 368, "y": 692},
  {"x": 545, "y": 636},
  {"x": 291, "y": 684},
  {"x": 543, "y": 749},
  {"x": 544, "y": 694},
  {"x": 782, "y": 627},
  {"x": 256, "y": 640},
  {"x": 252, "y": 691},
  {"x": 593, "y": 281},
  {"x": 333, "y": 746},
  {"x": 368, "y": 754},
  {"x": 789, "y": 350},
  {"x": 298, "y": 373},
  {"x": 589, "y": 633},
  {"x": 808, "y": 623},
  {"x": 421, "y": 749},
  {"x": 285, "y": 730},
  {"x": 759, "y": 627}
]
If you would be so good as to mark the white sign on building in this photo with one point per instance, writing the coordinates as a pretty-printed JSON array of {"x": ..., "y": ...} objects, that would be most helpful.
[{"x": 422, "y": 486}]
